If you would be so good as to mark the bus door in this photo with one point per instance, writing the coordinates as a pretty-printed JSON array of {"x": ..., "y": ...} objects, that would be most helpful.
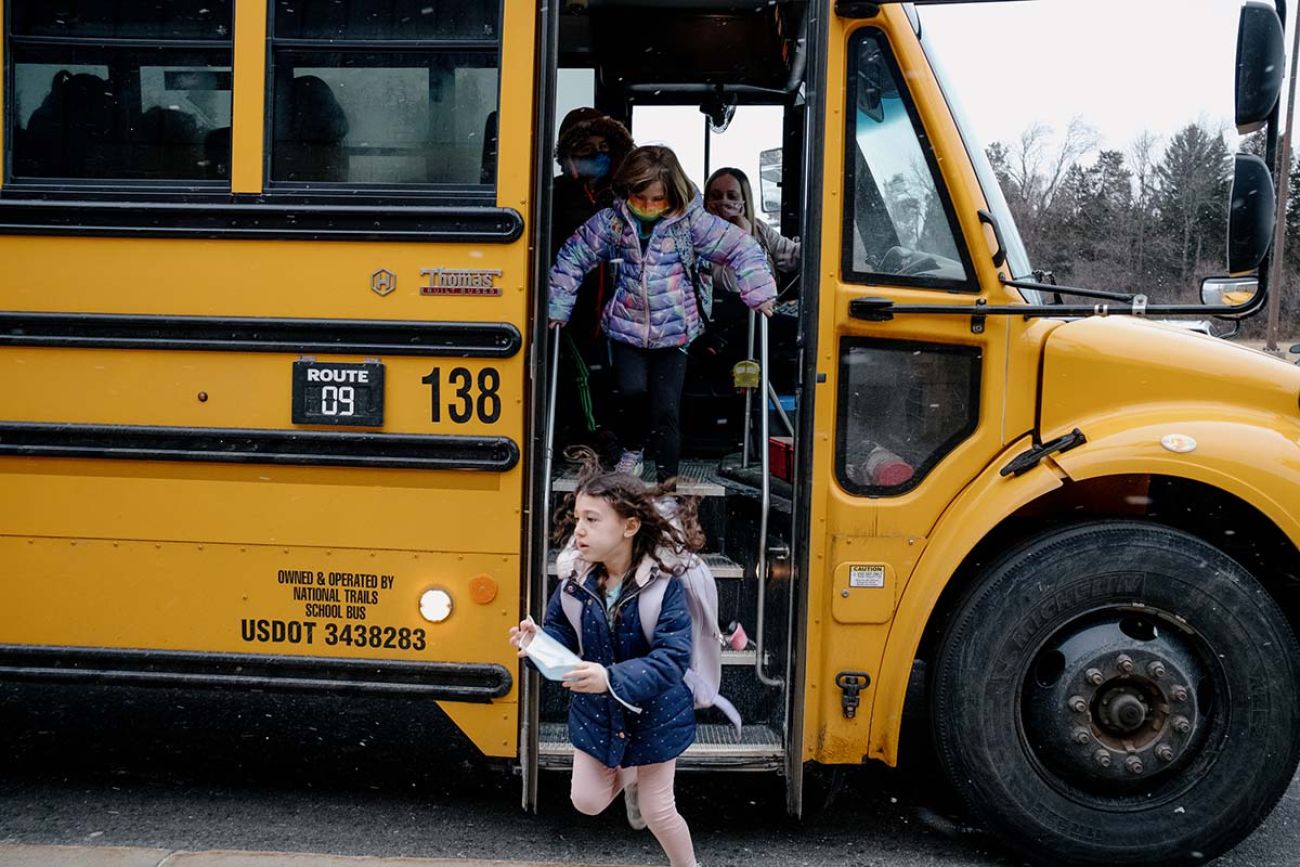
[
  {"x": 264, "y": 347},
  {"x": 719, "y": 84},
  {"x": 911, "y": 408}
]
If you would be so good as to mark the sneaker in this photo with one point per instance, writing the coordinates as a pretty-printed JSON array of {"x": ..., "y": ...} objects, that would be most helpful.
[
  {"x": 632, "y": 800},
  {"x": 631, "y": 463}
]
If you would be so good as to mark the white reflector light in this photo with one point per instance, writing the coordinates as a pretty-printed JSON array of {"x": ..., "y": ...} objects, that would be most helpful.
[
  {"x": 1179, "y": 444},
  {"x": 435, "y": 605}
]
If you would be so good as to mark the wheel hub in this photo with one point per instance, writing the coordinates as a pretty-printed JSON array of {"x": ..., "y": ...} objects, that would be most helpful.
[
  {"x": 1114, "y": 701},
  {"x": 1123, "y": 710}
]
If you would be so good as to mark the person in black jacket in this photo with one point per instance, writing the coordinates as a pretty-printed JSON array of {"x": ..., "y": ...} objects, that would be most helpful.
[{"x": 590, "y": 150}]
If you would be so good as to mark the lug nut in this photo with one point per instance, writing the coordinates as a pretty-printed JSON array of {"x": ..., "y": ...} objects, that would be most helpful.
[
  {"x": 1165, "y": 753},
  {"x": 1078, "y": 704},
  {"x": 1102, "y": 757},
  {"x": 1095, "y": 677},
  {"x": 1156, "y": 670},
  {"x": 1134, "y": 765},
  {"x": 1081, "y": 736},
  {"x": 1124, "y": 663},
  {"x": 1181, "y": 725},
  {"x": 1179, "y": 693}
]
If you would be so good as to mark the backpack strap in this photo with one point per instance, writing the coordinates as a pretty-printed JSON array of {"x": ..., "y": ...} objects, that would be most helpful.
[
  {"x": 649, "y": 604},
  {"x": 681, "y": 234},
  {"x": 572, "y": 609}
]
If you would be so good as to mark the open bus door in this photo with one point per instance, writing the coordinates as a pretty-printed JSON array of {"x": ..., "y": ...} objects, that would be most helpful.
[{"x": 720, "y": 58}]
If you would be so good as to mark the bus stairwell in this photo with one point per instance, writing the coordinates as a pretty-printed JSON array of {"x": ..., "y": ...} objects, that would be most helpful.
[{"x": 735, "y": 503}]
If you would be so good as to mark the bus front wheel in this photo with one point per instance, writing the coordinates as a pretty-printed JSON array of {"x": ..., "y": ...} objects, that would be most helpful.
[{"x": 1118, "y": 693}]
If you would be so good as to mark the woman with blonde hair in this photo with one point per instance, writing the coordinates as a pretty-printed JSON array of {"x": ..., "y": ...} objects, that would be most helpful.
[
  {"x": 728, "y": 195},
  {"x": 657, "y": 235}
]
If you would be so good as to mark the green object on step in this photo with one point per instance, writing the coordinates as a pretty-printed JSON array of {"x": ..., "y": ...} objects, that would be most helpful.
[{"x": 582, "y": 376}]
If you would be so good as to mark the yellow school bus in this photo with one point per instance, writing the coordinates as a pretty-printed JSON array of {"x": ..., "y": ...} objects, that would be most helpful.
[{"x": 278, "y": 404}]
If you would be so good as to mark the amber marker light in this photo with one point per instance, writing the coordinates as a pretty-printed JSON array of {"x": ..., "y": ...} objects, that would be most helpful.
[
  {"x": 483, "y": 589},
  {"x": 435, "y": 605}
]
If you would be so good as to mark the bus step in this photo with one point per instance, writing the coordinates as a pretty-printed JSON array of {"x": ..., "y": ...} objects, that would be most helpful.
[
  {"x": 719, "y": 564},
  {"x": 695, "y": 478},
  {"x": 715, "y": 747},
  {"x": 739, "y": 657}
]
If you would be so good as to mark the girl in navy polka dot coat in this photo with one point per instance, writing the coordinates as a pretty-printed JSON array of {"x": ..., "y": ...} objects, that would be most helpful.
[{"x": 631, "y": 714}]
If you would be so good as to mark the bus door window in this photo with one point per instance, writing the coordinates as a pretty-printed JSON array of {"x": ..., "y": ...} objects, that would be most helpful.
[
  {"x": 902, "y": 407},
  {"x": 91, "y": 102},
  {"x": 897, "y": 224},
  {"x": 411, "y": 99}
]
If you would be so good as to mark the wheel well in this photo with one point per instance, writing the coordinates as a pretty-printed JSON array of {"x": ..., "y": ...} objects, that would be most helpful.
[{"x": 1225, "y": 521}]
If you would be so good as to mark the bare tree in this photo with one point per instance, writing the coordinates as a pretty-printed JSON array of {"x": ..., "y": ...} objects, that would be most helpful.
[
  {"x": 1143, "y": 159},
  {"x": 1036, "y": 169}
]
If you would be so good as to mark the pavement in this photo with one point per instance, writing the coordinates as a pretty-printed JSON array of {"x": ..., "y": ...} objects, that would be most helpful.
[{"x": 25, "y": 855}]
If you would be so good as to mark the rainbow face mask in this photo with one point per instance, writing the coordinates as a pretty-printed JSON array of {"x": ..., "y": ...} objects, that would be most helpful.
[{"x": 646, "y": 215}]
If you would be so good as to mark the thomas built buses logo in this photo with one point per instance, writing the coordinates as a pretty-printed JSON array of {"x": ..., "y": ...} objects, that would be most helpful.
[{"x": 453, "y": 281}]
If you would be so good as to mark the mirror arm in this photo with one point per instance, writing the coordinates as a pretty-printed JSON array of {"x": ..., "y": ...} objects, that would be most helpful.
[
  {"x": 1068, "y": 290},
  {"x": 1281, "y": 175},
  {"x": 882, "y": 310}
]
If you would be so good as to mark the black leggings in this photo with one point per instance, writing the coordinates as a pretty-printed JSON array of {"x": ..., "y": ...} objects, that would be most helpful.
[{"x": 651, "y": 381}]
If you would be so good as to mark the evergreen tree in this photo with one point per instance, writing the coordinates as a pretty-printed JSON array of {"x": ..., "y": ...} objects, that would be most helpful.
[{"x": 1194, "y": 187}]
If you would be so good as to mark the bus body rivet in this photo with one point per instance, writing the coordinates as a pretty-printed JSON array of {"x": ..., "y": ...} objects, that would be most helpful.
[{"x": 203, "y": 397}]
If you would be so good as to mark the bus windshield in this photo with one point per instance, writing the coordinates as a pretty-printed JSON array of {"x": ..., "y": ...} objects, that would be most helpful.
[{"x": 1017, "y": 255}]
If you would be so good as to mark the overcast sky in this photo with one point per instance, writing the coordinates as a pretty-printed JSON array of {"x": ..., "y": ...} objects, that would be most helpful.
[{"x": 1122, "y": 65}]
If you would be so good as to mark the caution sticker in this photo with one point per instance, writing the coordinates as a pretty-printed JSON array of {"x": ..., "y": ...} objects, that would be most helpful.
[{"x": 867, "y": 576}]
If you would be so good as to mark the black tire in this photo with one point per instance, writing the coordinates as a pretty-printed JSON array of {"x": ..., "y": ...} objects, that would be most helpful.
[{"x": 1132, "y": 642}]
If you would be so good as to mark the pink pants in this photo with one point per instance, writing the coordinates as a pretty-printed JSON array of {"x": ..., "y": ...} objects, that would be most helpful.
[{"x": 596, "y": 786}]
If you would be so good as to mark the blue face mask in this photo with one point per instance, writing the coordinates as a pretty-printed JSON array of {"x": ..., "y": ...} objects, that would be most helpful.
[{"x": 592, "y": 168}]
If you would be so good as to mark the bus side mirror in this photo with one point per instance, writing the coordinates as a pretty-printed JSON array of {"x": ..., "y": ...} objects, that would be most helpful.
[
  {"x": 1250, "y": 215},
  {"x": 1228, "y": 291},
  {"x": 1260, "y": 61}
]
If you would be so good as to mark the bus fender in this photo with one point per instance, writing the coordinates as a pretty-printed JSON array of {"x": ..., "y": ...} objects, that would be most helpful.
[
  {"x": 980, "y": 507},
  {"x": 1253, "y": 457}
]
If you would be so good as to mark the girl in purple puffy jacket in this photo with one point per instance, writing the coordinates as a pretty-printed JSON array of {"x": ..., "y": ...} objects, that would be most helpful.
[{"x": 654, "y": 312}]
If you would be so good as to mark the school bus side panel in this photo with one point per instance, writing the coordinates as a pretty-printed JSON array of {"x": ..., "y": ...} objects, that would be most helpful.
[{"x": 141, "y": 509}]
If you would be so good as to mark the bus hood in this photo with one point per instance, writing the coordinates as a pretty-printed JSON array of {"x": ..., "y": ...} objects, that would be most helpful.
[{"x": 1107, "y": 366}]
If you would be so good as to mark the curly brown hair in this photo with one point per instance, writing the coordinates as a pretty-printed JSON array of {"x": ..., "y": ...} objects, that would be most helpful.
[{"x": 678, "y": 531}]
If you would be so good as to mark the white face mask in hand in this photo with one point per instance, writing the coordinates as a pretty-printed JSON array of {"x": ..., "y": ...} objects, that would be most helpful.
[{"x": 552, "y": 658}]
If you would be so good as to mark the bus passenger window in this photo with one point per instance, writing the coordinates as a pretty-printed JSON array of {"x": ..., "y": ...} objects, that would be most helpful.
[
  {"x": 410, "y": 101},
  {"x": 896, "y": 222},
  {"x": 901, "y": 408},
  {"x": 91, "y": 102}
]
